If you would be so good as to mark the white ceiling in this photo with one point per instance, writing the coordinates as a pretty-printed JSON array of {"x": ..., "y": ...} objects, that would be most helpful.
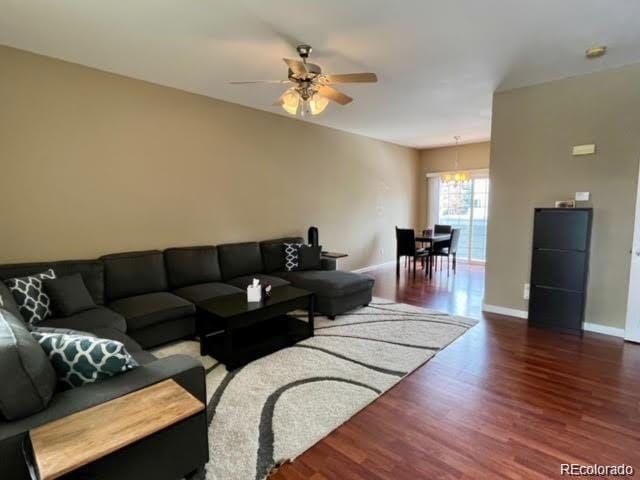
[{"x": 438, "y": 61}]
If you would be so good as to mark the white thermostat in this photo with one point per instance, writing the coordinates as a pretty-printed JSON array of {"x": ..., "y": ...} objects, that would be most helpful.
[{"x": 582, "y": 196}]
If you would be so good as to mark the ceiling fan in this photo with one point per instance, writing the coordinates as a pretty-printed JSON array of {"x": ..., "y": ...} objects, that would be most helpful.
[{"x": 312, "y": 90}]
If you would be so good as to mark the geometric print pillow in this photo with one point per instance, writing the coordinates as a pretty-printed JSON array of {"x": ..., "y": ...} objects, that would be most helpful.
[
  {"x": 79, "y": 359},
  {"x": 33, "y": 302},
  {"x": 291, "y": 256}
]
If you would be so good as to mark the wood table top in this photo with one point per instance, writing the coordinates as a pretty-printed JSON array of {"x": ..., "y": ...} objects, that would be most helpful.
[{"x": 69, "y": 443}]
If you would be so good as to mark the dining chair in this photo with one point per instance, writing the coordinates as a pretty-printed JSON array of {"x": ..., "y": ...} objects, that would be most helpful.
[
  {"x": 442, "y": 228},
  {"x": 406, "y": 247},
  {"x": 448, "y": 249}
]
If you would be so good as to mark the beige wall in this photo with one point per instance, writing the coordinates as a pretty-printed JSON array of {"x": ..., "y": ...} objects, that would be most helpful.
[
  {"x": 93, "y": 163},
  {"x": 533, "y": 130},
  {"x": 472, "y": 156}
]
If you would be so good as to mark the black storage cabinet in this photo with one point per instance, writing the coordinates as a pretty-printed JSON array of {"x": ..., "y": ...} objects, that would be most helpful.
[{"x": 560, "y": 268}]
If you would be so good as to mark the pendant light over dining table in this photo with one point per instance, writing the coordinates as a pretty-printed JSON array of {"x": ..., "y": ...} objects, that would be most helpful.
[{"x": 457, "y": 177}]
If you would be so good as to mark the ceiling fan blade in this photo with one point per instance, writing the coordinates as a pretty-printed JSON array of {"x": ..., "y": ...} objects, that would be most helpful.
[
  {"x": 260, "y": 81},
  {"x": 296, "y": 66},
  {"x": 352, "y": 78},
  {"x": 300, "y": 68},
  {"x": 333, "y": 94}
]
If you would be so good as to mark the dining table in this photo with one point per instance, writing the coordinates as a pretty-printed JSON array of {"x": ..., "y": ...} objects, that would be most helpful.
[{"x": 432, "y": 239}]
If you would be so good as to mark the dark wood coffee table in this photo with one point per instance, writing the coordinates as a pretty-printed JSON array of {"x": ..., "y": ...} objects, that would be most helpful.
[{"x": 235, "y": 331}]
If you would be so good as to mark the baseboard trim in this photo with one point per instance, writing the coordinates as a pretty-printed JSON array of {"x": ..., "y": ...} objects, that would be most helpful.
[
  {"x": 604, "y": 329},
  {"x": 373, "y": 267},
  {"x": 510, "y": 312},
  {"x": 588, "y": 327}
]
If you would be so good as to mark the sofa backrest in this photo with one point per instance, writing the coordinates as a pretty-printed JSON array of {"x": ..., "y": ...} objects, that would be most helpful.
[
  {"x": 26, "y": 374},
  {"x": 92, "y": 272},
  {"x": 239, "y": 259},
  {"x": 134, "y": 273},
  {"x": 192, "y": 265},
  {"x": 273, "y": 253}
]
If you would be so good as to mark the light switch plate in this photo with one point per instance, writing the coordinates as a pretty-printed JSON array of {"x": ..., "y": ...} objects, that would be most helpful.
[
  {"x": 584, "y": 149},
  {"x": 582, "y": 196}
]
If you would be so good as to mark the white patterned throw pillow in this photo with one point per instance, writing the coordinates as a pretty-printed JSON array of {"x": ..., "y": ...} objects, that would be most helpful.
[
  {"x": 80, "y": 359},
  {"x": 34, "y": 304},
  {"x": 291, "y": 256}
]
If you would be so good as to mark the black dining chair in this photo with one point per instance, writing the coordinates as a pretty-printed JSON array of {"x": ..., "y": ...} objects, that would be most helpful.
[
  {"x": 448, "y": 249},
  {"x": 406, "y": 247},
  {"x": 442, "y": 228}
]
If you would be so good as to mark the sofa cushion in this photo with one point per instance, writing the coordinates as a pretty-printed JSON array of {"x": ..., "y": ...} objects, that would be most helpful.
[
  {"x": 79, "y": 360},
  {"x": 273, "y": 253},
  {"x": 68, "y": 295},
  {"x": 27, "y": 377},
  {"x": 239, "y": 259},
  {"x": 29, "y": 294},
  {"x": 92, "y": 272},
  {"x": 331, "y": 283},
  {"x": 309, "y": 257},
  {"x": 204, "y": 291},
  {"x": 144, "y": 310},
  {"x": 243, "y": 282},
  {"x": 191, "y": 266},
  {"x": 134, "y": 273},
  {"x": 89, "y": 320}
]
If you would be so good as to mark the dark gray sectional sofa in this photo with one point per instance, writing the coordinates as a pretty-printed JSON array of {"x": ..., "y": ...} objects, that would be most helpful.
[
  {"x": 150, "y": 295},
  {"x": 145, "y": 299}
]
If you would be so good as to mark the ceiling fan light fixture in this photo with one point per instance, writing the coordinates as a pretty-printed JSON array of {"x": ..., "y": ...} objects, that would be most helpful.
[
  {"x": 317, "y": 104},
  {"x": 291, "y": 102}
]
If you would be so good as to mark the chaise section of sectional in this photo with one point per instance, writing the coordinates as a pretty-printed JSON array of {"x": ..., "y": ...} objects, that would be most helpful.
[
  {"x": 335, "y": 291},
  {"x": 136, "y": 287}
]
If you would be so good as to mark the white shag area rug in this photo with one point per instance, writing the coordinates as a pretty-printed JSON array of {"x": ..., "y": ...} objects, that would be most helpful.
[{"x": 275, "y": 408}]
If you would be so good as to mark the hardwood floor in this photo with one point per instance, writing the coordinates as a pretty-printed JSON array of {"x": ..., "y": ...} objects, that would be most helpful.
[{"x": 503, "y": 401}]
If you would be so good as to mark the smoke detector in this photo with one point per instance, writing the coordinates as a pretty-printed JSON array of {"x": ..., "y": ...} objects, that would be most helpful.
[{"x": 596, "y": 52}]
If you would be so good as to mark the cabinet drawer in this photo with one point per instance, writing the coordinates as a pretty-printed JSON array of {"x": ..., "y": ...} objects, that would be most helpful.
[
  {"x": 560, "y": 309},
  {"x": 561, "y": 229},
  {"x": 559, "y": 269}
]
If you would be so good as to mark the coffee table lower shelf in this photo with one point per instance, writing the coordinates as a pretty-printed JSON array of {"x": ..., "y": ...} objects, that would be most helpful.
[{"x": 257, "y": 340}]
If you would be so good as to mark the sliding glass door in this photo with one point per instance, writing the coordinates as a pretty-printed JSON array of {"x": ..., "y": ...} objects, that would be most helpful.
[{"x": 465, "y": 206}]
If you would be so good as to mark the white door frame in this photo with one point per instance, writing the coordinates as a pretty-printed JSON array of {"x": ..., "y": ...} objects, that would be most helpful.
[{"x": 632, "y": 328}]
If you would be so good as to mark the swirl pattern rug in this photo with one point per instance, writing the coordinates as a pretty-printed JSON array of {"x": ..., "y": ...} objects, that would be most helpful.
[{"x": 275, "y": 408}]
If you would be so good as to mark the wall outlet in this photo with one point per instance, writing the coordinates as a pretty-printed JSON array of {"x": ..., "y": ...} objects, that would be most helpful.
[
  {"x": 381, "y": 251},
  {"x": 525, "y": 293}
]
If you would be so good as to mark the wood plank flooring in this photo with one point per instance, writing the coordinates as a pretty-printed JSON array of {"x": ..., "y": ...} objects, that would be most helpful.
[{"x": 504, "y": 401}]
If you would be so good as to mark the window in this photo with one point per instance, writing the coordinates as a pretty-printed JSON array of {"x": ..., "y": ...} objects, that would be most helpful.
[{"x": 465, "y": 206}]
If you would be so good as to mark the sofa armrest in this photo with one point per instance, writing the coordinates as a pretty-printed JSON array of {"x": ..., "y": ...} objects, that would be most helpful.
[
  {"x": 186, "y": 371},
  {"x": 328, "y": 263}
]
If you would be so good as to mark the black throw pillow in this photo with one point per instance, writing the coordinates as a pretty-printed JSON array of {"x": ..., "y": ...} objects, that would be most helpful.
[
  {"x": 69, "y": 295},
  {"x": 309, "y": 257}
]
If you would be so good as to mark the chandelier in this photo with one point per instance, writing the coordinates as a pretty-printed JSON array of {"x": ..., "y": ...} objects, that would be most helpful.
[{"x": 457, "y": 177}]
